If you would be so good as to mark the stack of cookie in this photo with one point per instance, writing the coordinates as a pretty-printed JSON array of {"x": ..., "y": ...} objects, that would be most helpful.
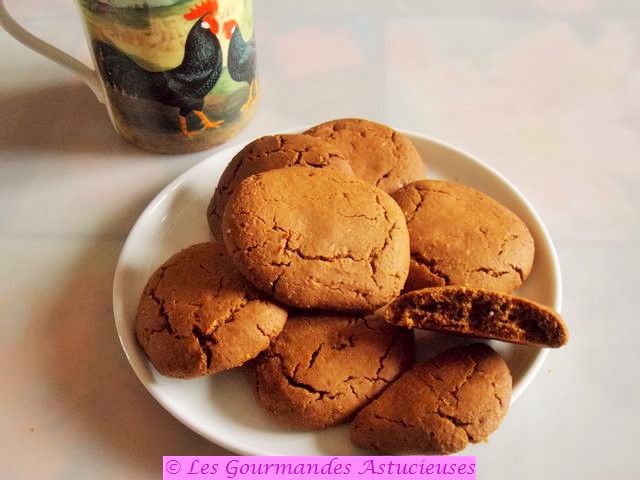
[{"x": 330, "y": 248}]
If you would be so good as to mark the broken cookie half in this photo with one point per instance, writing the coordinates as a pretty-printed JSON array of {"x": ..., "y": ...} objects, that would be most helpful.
[
  {"x": 479, "y": 313},
  {"x": 439, "y": 406}
]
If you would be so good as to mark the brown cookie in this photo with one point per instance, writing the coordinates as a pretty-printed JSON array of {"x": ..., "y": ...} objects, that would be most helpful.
[
  {"x": 269, "y": 153},
  {"x": 378, "y": 154},
  {"x": 198, "y": 315},
  {"x": 439, "y": 406},
  {"x": 460, "y": 236},
  {"x": 322, "y": 369},
  {"x": 479, "y": 313},
  {"x": 318, "y": 239}
]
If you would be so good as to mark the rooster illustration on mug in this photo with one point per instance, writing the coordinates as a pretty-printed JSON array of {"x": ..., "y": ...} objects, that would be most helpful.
[{"x": 185, "y": 86}]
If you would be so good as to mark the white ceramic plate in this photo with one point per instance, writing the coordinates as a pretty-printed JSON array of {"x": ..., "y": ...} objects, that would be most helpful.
[{"x": 222, "y": 408}]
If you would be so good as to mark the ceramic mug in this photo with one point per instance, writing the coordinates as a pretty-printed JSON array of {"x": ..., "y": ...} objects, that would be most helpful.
[{"x": 175, "y": 75}]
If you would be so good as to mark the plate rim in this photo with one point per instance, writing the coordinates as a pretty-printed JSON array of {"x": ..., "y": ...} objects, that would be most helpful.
[{"x": 236, "y": 147}]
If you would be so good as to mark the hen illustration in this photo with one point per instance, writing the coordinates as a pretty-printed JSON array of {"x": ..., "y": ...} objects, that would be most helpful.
[
  {"x": 241, "y": 61},
  {"x": 184, "y": 86}
]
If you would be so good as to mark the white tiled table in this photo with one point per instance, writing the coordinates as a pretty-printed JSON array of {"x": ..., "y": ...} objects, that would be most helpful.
[{"x": 546, "y": 91}]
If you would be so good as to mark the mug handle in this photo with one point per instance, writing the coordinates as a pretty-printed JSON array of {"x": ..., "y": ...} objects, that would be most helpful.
[{"x": 88, "y": 76}]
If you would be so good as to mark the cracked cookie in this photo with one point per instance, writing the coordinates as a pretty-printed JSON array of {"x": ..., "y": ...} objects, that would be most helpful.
[
  {"x": 322, "y": 369},
  {"x": 198, "y": 315},
  {"x": 460, "y": 236},
  {"x": 269, "y": 153},
  {"x": 479, "y": 313},
  {"x": 439, "y": 406},
  {"x": 318, "y": 239},
  {"x": 378, "y": 154}
]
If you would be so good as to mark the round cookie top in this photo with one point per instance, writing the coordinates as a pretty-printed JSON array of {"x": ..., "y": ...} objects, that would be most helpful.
[
  {"x": 198, "y": 315},
  {"x": 378, "y": 154},
  {"x": 322, "y": 369},
  {"x": 460, "y": 236},
  {"x": 269, "y": 153},
  {"x": 439, "y": 406},
  {"x": 318, "y": 239}
]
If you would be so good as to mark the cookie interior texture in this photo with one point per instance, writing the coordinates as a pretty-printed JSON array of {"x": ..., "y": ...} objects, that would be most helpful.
[
  {"x": 460, "y": 236},
  {"x": 198, "y": 315},
  {"x": 479, "y": 313},
  {"x": 268, "y": 153},
  {"x": 439, "y": 406},
  {"x": 323, "y": 368},
  {"x": 318, "y": 239},
  {"x": 378, "y": 154}
]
